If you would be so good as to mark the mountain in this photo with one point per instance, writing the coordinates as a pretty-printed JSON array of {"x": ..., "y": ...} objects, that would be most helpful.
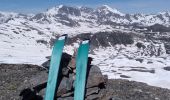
[
  {"x": 131, "y": 45},
  {"x": 4, "y": 17}
]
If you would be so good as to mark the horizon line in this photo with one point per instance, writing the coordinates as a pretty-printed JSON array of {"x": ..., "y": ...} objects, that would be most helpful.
[{"x": 41, "y": 10}]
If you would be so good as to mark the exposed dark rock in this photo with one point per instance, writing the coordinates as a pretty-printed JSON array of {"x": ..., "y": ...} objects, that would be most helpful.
[
  {"x": 124, "y": 76},
  {"x": 167, "y": 47},
  {"x": 42, "y": 42},
  {"x": 149, "y": 62},
  {"x": 92, "y": 97},
  {"x": 93, "y": 90},
  {"x": 28, "y": 94},
  {"x": 167, "y": 68},
  {"x": 66, "y": 85},
  {"x": 142, "y": 70},
  {"x": 140, "y": 45},
  {"x": 139, "y": 59},
  {"x": 158, "y": 28},
  {"x": 131, "y": 90},
  {"x": 14, "y": 78},
  {"x": 103, "y": 39},
  {"x": 95, "y": 77},
  {"x": 66, "y": 98}
]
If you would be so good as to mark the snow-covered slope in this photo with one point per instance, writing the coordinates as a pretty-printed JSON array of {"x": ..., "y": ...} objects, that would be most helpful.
[
  {"x": 28, "y": 38},
  {"x": 148, "y": 62}
]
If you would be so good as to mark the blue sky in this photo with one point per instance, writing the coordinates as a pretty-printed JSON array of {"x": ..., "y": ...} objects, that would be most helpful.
[{"x": 125, "y": 6}]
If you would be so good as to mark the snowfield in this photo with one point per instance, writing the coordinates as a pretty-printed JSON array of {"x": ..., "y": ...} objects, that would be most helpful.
[{"x": 150, "y": 70}]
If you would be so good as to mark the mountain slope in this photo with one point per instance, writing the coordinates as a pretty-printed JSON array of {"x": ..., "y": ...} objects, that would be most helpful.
[{"x": 128, "y": 46}]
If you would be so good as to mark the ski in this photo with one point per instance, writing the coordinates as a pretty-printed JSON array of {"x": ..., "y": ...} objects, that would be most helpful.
[
  {"x": 81, "y": 70},
  {"x": 54, "y": 67}
]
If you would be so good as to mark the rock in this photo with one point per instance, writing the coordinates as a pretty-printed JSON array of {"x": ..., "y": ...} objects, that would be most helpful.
[
  {"x": 143, "y": 70},
  {"x": 64, "y": 60},
  {"x": 28, "y": 94},
  {"x": 131, "y": 90},
  {"x": 12, "y": 79},
  {"x": 105, "y": 78},
  {"x": 149, "y": 62},
  {"x": 167, "y": 68},
  {"x": 72, "y": 63},
  {"x": 66, "y": 98},
  {"x": 124, "y": 76},
  {"x": 65, "y": 71},
  {"x": 95, "y": 77},
  {"x": 69, "y": 94},
  {"x": 46, "y": 64},
  {"x": 139, "y": 59},
  {"x": 65, "y": 85},
  {"x": 93, "y": 90},
  {"x": 115, "y": 98},
  {"x": 92, "y": 97},
  {"x": 48, "y": 57}
]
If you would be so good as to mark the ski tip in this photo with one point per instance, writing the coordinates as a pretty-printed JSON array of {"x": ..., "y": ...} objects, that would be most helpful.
[
  {"x": 62, "y": 37},
  {"x": 85, "y": 41}
]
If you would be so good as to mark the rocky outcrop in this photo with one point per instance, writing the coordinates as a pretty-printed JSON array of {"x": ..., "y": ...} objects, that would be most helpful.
[
  {"x": 95, "y": 80},
  {"x": 29, "y": 81}
]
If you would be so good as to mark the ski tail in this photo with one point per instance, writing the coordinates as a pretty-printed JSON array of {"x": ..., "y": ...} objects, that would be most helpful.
[
  {"x": 54, "y": 67},
  {"x": 81, "y": 70}
]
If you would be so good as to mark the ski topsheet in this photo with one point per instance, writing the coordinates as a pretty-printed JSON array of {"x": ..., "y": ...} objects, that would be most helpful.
[
  {"x": 54, "y": 67},
  {"x": 81, "y": 70}
]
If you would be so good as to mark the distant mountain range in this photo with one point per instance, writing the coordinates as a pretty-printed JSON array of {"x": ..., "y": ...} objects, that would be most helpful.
[{"x": 84, "y": 17}]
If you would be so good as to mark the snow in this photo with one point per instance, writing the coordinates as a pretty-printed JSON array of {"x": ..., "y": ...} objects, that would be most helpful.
[
  {"x": 114, "y": 63},
  {"x": 18, "y": 53},
  {"x": 113, "y": 10},
  {"x": 18, "y": 45},
  {"x": 60, "y": 6}
]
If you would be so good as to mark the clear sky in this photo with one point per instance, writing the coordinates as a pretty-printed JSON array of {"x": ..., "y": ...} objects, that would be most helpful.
[{"x": 125, "y": 6}]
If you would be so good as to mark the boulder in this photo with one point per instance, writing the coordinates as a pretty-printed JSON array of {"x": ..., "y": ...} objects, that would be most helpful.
[{"x": 95, "y": 77}]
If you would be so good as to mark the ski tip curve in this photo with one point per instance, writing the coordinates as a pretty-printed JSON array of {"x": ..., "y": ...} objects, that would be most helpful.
[
  {"x": 85, "y": 41},
  {"x": 63, "y": 37}
]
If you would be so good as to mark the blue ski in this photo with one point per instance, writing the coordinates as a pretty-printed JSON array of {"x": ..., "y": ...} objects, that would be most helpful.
[
  {"x": 54, "y": 67},
  {"x": 81, "y": 70}
]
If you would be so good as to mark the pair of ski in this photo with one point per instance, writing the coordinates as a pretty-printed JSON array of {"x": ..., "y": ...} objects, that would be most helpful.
[{"x": 81, "y": 69}]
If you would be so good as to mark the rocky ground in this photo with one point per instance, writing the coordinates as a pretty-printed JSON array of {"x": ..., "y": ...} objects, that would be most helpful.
[{"x": 15, "y": 78}]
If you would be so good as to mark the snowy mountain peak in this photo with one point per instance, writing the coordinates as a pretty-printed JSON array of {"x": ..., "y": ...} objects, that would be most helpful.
[
  {"x": 64, "y": 10},
  {"x": 5, "y": 16},
  {"x": 107, "y": 9},
  {"x": 60, "y": 6},
  {"x": 53, "y": 10},
  {"x": 86, "y": 9},
  {"x": 165, "y": 12},
  {"x": 85, "y": 16},
  {"x": 8, "y": 14}
]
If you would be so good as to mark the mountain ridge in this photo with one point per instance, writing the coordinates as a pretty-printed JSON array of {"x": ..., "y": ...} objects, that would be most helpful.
[{"x": 100, "y": 12}]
